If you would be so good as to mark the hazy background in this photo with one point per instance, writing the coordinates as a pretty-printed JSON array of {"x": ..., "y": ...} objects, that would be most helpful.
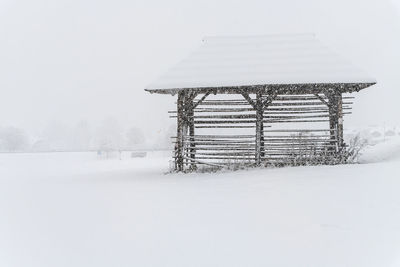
[{"x": 71, "y": 65}]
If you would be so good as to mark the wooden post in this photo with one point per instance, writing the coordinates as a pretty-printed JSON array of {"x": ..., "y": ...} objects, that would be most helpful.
[
  {"x": 184, "y": 148},
  {"x": 262, "y": 136},
  {"x": 336, "y": 119},
  {"x": 339, "y": 102},
  {"x": 190, "y": 121},
  {"x": 179, "y": 149},
  {"x": 259, "y": 129}
]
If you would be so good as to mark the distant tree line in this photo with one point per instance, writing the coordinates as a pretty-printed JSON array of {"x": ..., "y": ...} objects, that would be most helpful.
[
  {"x": 13, "y": 139},
  {"x": 107, "y": 136}
]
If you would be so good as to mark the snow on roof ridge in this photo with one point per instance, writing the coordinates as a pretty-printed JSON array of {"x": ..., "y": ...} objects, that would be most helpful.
[{"x": 223, "y": 61}]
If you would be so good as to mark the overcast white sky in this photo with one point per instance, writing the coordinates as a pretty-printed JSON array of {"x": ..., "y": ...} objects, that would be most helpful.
[{"x": 68, "y": 60}]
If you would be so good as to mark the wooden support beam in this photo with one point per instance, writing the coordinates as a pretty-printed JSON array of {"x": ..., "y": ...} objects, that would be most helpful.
[
  {"x": 201, "y": 100},
  {"x": 340, "y": 121},
  {"x": 189, "y": 129},
  {"x": 322, "y": 99},
  {"x": 336, "y": 119},
  {"x": 192, "y": 145},
  {"x": 184, "y": 148},
  {"x": 259, "y": 106},
  {"x": 269, "y": 100},
  {"x": 179, "y": 150},
  {"x": 249, "y": 100}
]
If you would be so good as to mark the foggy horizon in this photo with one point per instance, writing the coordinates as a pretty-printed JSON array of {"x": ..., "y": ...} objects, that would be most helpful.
[{"x": 72, "y": 61}]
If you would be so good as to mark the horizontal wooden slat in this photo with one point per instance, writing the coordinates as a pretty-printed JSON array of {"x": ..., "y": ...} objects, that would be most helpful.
[
  {"x": 281, "y": 103},
  {"x": 209, "y": 148},
  {"x": 266, "y": 116},
  {"x": 296, "y": 130},
  {"x": 223, "y": 136},
  {"x": 267, "y": 110},
  {"x": 224, "y": 126},
  {"x": 213, "y": 137}
]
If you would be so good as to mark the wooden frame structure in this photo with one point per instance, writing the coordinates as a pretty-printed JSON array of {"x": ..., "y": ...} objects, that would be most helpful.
[
  {"x": 260, "y": 100},
  {"x": 257, "y": 109}
]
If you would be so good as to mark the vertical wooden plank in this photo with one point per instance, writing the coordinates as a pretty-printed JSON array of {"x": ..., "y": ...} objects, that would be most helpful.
[
  {"x": 262, "y": 143},
  {"x": 190, "y": 121},
  {"x": 339, "y": 104},
  {"x": 179, "y": 149},
  {"x": 259, "y": 128},
  {"x": 332, "y": 118},
  {"x": 336, "y": 119}
]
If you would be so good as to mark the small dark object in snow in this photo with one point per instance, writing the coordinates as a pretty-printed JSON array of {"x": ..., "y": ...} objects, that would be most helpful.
[{"x": 138, "y": 154}]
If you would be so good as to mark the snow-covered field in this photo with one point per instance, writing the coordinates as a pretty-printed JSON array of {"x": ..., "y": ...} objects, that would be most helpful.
[{"x": 74, "y": 209}]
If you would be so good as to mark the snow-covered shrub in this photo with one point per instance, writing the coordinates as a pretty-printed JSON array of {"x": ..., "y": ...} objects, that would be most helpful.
[
  {"x": 304, "y": 152},
  {"x": 355, "y": 146}
]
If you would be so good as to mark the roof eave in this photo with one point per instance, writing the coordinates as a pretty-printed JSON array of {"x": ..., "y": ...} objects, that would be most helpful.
[{"x": 284, "y": 88}]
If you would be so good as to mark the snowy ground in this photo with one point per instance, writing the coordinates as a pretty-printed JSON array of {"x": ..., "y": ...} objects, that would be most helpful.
[{"x": 74, "y": 209}]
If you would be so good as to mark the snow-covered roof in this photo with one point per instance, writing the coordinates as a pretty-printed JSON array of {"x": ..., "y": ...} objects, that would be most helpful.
[{"x": 260, "y": 60}]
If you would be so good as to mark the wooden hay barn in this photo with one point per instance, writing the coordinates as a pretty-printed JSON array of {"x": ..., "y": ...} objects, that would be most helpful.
[{"x": 261, "y": 100}]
